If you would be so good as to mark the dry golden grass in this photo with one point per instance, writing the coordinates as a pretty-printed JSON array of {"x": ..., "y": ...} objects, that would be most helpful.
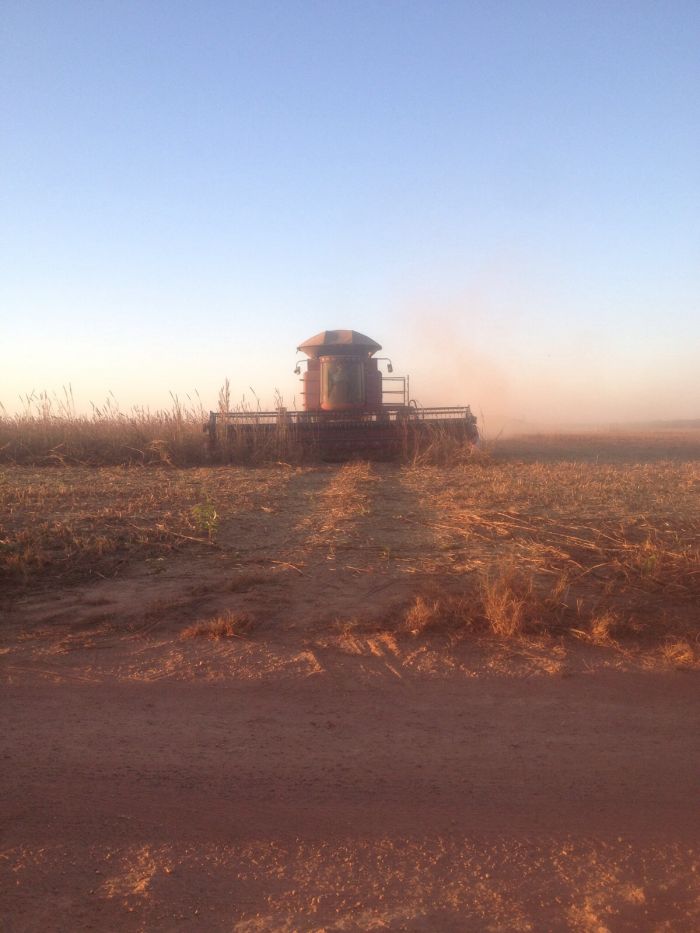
[
  {"x": 227, "y": 625},
  {"x": 681, "y": 654},
  {"x": 509, "y": 601},
  {"x": 588, "y": 542},
  {"x": 502, "y": 601},
  {"x": 50, "y": 431}
]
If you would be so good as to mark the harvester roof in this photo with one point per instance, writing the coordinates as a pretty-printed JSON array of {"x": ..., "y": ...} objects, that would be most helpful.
[{"x": 340, "y": 342}]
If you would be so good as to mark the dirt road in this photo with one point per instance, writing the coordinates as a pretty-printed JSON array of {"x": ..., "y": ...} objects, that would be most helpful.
[{"x": 324, "y": 804}]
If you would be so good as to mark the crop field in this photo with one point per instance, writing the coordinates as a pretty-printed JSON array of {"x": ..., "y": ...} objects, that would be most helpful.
[{"x": 454, "y": 692}]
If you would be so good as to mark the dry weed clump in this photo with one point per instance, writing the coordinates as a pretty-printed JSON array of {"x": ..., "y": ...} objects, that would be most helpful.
[
  {"x": 604, "y": 628},
  {"x": 509, "y": 601},
  {"x": 659, "y": 562},
  {"x": 229, "y": 624},
  {"x": 425, "y": 615},
  {"x": 680, "y": 654},
  {"x": 504, "y": 601}
]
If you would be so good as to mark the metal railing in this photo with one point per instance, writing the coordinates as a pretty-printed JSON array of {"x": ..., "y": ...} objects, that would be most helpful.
[
  {"x": 402, "y": 392},
  {"x": 245, "y": 420}
]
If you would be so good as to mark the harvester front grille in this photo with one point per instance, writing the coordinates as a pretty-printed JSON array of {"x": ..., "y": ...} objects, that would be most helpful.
[{"x": 340, "y": 434}]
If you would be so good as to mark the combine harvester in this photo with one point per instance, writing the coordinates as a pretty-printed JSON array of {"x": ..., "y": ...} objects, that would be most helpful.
[{"x": 351, "y": 408}]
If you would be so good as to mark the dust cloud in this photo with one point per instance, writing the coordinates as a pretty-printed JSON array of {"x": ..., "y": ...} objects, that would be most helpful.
[
  {"x": 517, "y": 379},
  {"x": 446, "y": 369}
]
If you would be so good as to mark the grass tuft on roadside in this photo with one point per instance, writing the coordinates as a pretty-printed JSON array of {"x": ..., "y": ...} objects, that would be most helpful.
[
  {"x": 229, "y": 624},
  {"x": 503, "y": 600}
]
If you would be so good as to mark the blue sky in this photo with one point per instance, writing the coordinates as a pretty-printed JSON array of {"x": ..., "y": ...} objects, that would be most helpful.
[{"x": 505, "y": 195}]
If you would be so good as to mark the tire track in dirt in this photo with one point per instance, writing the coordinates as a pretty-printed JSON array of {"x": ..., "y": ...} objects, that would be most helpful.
[
  {"x": 355, "y": 541},
  {"x": 364, "y": 551}
]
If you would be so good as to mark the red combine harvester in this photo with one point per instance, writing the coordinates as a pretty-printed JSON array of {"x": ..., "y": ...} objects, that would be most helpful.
[{"x": 351, "y": 408}]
